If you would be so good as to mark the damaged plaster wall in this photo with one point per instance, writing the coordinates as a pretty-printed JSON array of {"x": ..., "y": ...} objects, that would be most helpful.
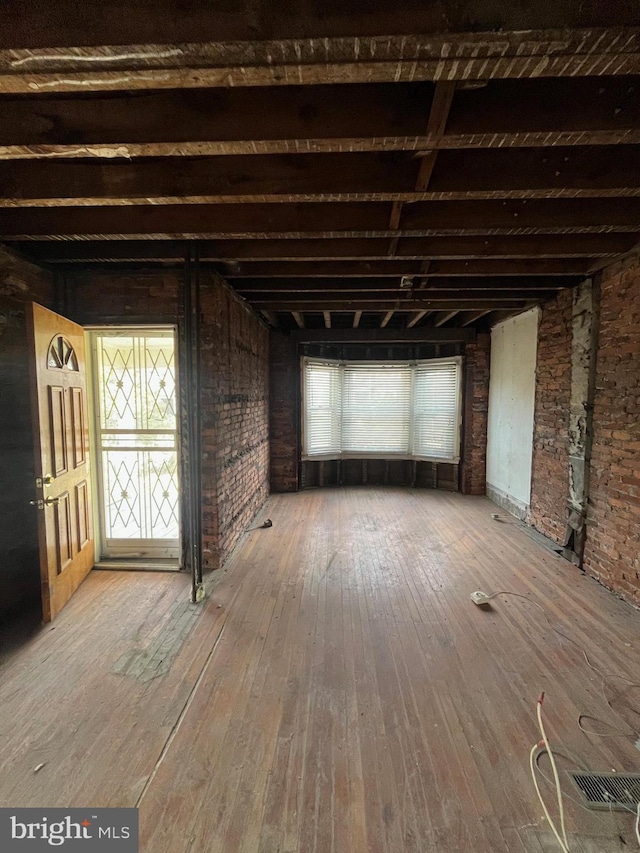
[{"x": 584, "y": 344}]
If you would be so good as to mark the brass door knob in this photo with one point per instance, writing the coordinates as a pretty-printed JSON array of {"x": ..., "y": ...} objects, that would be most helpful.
[{"x": 40, "y": 503}]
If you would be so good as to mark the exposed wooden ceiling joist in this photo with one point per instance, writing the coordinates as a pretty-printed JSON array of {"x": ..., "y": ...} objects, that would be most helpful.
[
  {"x": 537, "y": 247},
  {"x": 392, "y": 298},
  {"x": 294, "y": 119},
  {"x": 443, "y": 317},
  {"x": 372, "y": 285},
  {"x": 492, "y": 150},
  {"x": 360, "y": 304},
  {"x": 440, "y": 106},
  {"x": 583, "y": 171},
  {"x": 447, "y": 218},
  {"x": 270, "y": 318},
  {"x": 388, "y": 335},
  {"x": 30, "y": 24},
  {"x": 376, "y": 46},
  {"x": 473, "y": 318},
  {"x": 398, "y": 267},
  {"x": 413, "y": 321}
]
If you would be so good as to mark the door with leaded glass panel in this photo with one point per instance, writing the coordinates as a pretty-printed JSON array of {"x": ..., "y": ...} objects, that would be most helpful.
[{"x": 136, "y": 436}]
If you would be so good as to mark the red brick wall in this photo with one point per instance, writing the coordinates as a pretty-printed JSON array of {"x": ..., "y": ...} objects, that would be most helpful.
[
  {"x": 285, "y": 404},
  {"x": 235, "y": 411},
  {"x": 476, "y": 408},
  {"x": 234, "y": 386},
  {"x": 613, "y": 533},
  {"x": 550, "y": 466}
]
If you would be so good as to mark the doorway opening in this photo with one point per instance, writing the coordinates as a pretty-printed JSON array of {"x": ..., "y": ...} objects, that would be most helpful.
[{"x": 136, "y": 444}]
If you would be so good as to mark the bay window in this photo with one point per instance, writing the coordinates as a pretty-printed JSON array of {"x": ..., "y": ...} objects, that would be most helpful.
[{"x": 409, "y": 410}]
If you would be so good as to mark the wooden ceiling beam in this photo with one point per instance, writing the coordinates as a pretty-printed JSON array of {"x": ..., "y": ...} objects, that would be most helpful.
[
  {"x": 357, "y": 316},
  {"x": 473, "y": 317},
  {"x": 262, "y": 45},
  {"x": 297, "y": 119},
  {"x": 361, "y": 304},
  {"x": 388, "y": 335},
  {"x": 562, "y": 171},
  {"x": 297, "y": 316},
  {"x": 327, "y": 319},
  {"x": 416, "y": 318},
  {"x": 444, "y": 318},
  {"x": 31, "y": 26},
  {"x": 518, "y": 246},
  {"x": 399, "y": 267},
  {"x": 536, "y": 213},
  {"x": 349, "y": 220},
  {"x": 373, "y": 285},
  {"x": 385, "y": 320},
  {"x": 241, "y": 179},
  {"x": 229, "y": 252},
  {"x": 583, "y": 171},
  {"x": 270, "y": 317},
  {"x": 319, "y": 297},
  {"x": 440, "y": 106}
]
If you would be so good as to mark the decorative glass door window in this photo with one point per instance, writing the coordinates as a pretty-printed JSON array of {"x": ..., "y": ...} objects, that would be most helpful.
[{"x": 137, "y": 442}]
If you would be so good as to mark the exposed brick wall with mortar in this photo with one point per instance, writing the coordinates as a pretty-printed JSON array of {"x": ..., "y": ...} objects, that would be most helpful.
[
  {"x": 234, "y": 386},
  {"x": 476, "y": 409},
  {"x": 285, "y": 404},
  {"x": 19, "y": 560},
  {"x": 109, "y": 297},
  {"x": 20, "y": 279},
  {"x": 612, "y": 551},
  {"x": 550, "y": 463},
  {"x": 235, "y": 412}
]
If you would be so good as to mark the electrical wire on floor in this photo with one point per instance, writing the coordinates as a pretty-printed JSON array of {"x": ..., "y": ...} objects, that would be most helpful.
[
  {"x": 543, "y": 746},
  {"x": 605, "y": 679},
  {"x": 561, "y": 835}
]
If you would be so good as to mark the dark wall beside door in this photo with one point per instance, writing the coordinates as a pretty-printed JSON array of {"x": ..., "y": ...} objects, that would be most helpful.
[{"x": 19, "y": 559}]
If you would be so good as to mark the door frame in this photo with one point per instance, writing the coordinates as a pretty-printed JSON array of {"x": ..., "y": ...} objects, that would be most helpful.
[{"x": 165, "y": 563}]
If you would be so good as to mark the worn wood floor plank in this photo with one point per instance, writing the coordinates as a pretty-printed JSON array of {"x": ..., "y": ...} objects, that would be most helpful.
[{"x": 338, "y": 693}]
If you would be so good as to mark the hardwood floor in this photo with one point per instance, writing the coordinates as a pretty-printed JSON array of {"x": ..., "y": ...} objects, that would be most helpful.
[{"x": 338, "y": 692}]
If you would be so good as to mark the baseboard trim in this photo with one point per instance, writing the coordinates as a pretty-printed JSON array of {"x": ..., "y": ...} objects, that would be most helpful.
[{"x": 508, "y": 502}]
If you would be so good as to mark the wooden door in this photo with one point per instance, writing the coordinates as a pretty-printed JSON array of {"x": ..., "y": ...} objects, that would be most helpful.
[{"x": 61, "y": 443}]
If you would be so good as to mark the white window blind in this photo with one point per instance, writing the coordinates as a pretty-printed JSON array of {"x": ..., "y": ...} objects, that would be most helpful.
[
  {"x": 436, "y": 409},
  {"x": 322, "y": 409},
  {"x": 411, "y": 410},
  {"x": 376, "y": 408}
]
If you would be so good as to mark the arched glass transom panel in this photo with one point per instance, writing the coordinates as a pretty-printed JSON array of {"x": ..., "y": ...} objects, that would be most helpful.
[{"x": 61, "y": 355}]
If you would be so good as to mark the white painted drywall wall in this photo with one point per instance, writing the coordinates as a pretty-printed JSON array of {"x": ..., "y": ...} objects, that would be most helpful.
[{"x": 512, "y": 385}]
